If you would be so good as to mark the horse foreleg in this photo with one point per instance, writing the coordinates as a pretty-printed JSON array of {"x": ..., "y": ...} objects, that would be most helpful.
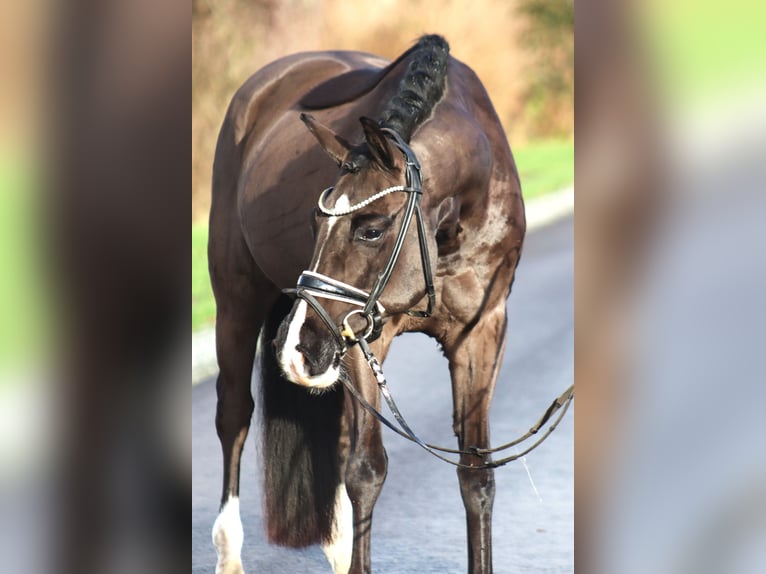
[
  {"x": 237, "y": 327},
  {"x": 474, "y": 363},
  {"x": 340, "y": 548},
  {"x": 367, "y": 465}
]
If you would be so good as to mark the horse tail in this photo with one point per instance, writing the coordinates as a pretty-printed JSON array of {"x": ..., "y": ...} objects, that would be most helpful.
[{"x": 299, "y": 447}]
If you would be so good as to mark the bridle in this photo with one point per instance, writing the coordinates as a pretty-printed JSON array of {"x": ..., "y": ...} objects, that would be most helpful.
[{"x": 313, "y": 286}]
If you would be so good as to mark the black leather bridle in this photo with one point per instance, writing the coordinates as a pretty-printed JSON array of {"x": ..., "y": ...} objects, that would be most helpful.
[{"x": 313, "y": 286}]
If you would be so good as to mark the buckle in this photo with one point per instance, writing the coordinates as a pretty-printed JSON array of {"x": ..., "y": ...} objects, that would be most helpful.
[{"x": 348, "y": 333}]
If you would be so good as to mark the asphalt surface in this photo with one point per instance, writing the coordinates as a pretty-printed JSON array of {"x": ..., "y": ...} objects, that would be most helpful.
[{"x": 419, "y": 523}]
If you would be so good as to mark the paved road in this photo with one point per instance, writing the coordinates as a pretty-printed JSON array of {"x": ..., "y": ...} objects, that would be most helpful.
[{"x": 419, "y": 524}]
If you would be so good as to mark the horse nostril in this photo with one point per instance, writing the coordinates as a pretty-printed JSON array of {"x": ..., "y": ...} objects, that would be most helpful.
[
  {"x": 309, "y": 358},
  {"x": 317, "y": 360}
]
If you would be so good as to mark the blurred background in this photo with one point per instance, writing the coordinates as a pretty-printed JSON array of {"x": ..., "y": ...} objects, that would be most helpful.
[
  {"x": 669, "y": 248},
  {"x": 670, "y": 272},
  {"x": 522, "y": 50},
  {"x": 21, "y": 181}
]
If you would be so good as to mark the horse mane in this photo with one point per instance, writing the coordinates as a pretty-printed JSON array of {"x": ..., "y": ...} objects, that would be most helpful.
[{"x": 420, "y": 88}]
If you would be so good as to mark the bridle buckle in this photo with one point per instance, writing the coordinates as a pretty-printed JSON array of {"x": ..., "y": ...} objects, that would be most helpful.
[{"x": 348, "y": 333}]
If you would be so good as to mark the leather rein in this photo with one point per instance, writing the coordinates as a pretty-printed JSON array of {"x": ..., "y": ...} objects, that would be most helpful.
[{"x": 313, "y": 286}]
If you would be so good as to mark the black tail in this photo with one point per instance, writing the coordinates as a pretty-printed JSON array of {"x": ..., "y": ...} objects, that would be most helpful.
[{"x": 299, "y": 444}]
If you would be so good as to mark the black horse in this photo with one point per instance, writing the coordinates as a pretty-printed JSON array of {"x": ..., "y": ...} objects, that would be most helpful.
[{"x": 421, "y": 230}]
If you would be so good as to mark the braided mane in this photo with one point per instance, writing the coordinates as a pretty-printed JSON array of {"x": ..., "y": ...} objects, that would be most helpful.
[
  {"x": 419, "y": 90},
  {"x": 421, "y": 87}
]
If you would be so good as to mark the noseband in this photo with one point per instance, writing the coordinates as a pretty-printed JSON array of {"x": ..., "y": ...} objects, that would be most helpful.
[{"x": 313, "y": 286}]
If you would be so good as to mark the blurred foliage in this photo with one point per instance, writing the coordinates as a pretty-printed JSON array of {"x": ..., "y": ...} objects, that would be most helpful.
[
  {"x": 549, "y": 37},
  {"x": 521, "y": 50}
]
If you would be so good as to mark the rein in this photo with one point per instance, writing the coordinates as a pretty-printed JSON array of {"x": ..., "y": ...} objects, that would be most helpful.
[
  {"x": 312, "y": 286},
  {"x": 404, "y": 430}
]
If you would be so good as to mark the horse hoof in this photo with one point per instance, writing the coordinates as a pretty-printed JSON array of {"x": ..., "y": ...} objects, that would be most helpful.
[{"x": 230, "y": 568}]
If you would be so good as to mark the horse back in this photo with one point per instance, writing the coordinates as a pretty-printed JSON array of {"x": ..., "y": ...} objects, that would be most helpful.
[{"x": 258, "y": 199}]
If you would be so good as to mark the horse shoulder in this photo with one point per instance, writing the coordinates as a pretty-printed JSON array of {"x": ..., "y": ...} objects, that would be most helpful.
[{"x": 480, "y": 210}]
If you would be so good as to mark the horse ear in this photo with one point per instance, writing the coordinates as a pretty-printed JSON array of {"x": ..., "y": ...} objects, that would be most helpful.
[
  {"x": 335, "y": 146},
  {"x": 379, "y": 145}
]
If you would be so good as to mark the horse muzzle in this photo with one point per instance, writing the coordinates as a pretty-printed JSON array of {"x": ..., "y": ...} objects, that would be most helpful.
[{"x": 305, "y": 354}]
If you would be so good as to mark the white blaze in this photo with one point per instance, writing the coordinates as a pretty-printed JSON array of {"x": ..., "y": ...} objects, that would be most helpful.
[
  {"x": 228, "y": 537},
  {"x": 341, "y": 203},
  {"x": 291, "y": 360},
  {"x": 339, "y": 550}
]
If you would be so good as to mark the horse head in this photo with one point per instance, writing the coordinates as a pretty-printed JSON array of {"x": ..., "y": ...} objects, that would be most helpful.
[{"x": 368, "y": 263}]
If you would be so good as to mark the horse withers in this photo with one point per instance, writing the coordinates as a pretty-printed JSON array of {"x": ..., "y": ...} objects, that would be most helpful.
[{"x": 385, "y": 196}]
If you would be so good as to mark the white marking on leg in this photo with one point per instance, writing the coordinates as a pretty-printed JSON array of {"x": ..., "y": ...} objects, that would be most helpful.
[
  {"x": 292, "y": 362},
  {"x": 228, "y": 537},
  {"x": 338, "y": 551}
]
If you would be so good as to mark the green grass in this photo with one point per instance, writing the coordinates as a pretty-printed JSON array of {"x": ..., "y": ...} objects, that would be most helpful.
[
  {"x": 705, "y": 51},
  {"x": 203, "y": 304},
  {"x": 544, "y": 166},
  {"x": 24, "y": 311}
]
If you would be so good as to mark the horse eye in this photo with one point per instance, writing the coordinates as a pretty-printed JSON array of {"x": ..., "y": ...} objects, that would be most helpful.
[{"x": 371, "y": 234}]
